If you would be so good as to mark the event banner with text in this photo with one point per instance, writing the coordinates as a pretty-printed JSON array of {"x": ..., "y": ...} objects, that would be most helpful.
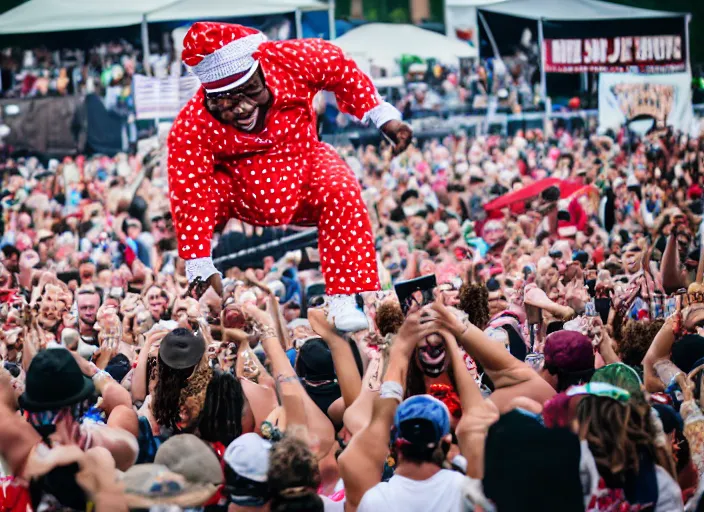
[{"x": 644, "y": 54}]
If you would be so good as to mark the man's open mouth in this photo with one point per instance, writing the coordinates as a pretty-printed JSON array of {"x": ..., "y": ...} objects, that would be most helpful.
[{"x": 249, "y": 122}]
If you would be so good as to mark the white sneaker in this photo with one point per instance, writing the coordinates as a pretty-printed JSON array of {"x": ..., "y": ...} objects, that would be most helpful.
[{"x": 347, "y": 316}]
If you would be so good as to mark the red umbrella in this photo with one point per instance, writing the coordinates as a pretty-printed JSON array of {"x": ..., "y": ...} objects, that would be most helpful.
[
  {"x": 522, "y": 194},
  {"x": 567, "y": 188}
]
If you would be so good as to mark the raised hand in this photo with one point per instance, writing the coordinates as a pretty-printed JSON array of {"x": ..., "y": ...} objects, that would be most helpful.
[
  {"x": 261, "y": 319},
  {"x": 319, "y": 322},
  {"x": 400, "y": 134},
  {"x": 440, "y": 317},
  {"x": 412, "y": 331},
  {"x": 686, "y": 385}
]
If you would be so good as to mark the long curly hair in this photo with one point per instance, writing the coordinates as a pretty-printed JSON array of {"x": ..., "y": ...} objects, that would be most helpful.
[
  {"x": 166, "y": 403},
  {"x": 220, "y": 419},
  {"x": 293, "y": 477},
  {"x": 619, "y": 435},
  {"x": 635, "y": 340},
  {"x": 474, "y": 300}
]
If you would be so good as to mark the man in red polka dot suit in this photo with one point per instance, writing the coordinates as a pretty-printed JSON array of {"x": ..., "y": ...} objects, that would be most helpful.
[{"x": 245, "y": 147}]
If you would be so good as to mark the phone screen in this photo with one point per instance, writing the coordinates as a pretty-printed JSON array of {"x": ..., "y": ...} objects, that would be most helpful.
[{"x": 415, "y": 293}]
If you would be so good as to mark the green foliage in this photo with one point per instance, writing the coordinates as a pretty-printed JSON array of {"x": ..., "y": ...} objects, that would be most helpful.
[
  {"x": 371, "y": 14},
  {"x": 399, "y": 15}
]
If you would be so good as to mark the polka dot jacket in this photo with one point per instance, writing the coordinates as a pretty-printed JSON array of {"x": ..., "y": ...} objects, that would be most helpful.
[{"x": 283, "y": 174}]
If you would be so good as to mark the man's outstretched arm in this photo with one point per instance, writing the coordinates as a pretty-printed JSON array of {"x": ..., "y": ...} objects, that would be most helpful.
[{"x": 325, "y": 67}]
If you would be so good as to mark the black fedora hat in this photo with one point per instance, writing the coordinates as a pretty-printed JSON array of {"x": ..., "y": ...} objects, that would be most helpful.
[
  {"x": 54, "y": 380},
  {"x": 181, "y": 349}
]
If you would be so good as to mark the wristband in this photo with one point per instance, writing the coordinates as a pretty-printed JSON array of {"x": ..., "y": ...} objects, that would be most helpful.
[
  {"x": 100, "y": 376},
  {"x": 268, "y": 332},
  {"x": 391, "y": 389},
  {"x": 382, "y": 114}
]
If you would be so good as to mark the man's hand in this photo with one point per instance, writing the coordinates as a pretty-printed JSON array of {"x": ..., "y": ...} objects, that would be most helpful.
[
  {"x": 440, "y": 317},
  {"x": 319, "y": 322},
  {"x": 400, "y": 134},
  {"x": 197, "y": 288}
]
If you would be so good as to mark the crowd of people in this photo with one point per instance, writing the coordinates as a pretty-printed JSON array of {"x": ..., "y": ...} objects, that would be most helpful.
[
  {"x": 535, "y": 343},
  {"x": 555, "y": 365},
  {"x": 41, "y": 72}
]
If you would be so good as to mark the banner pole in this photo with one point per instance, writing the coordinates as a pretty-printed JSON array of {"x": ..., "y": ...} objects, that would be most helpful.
[
  {"x": 541, "y": 44},
  {"x": 145, "y": 46},
  {"x": 331, "y": 20},
  {"x": 687, "y": 19},
  {"x": 543, "y": 80},
  {"x": 299, "y": 24}
]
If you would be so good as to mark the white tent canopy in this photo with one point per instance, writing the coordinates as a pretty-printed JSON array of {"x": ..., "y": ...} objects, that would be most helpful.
[
  {"x": 61, "y": 15},
  {"x": 64, "y": 15},
  {"x": 381, "y": 44},
  {"x": 212, "y": 9},
  {"x": 572, "y": 10}
]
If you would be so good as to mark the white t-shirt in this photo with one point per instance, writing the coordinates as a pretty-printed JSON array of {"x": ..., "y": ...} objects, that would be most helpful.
[
  {"x": 440, "y": 493},
  {"x": 333, "y": 506}
]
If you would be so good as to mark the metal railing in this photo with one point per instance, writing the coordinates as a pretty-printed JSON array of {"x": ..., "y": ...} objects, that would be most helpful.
[{"x": 476, "y": 122}]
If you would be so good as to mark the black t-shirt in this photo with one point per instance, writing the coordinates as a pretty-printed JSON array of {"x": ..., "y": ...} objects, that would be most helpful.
[{"x": 61, "y": 484}]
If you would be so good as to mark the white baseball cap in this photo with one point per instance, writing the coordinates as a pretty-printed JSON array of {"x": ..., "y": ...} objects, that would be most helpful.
[{"x": 248, "y": 456}]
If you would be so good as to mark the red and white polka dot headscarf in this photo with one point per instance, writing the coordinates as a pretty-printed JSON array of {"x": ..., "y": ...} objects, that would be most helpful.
[{"x": 221, "y": 54}]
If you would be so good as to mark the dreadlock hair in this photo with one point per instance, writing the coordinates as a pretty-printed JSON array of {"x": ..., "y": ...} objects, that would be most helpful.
[
  {"x": 220, "y": 419},
  {"x": 389, "y": 318},
  {"x": 167, "y": 394},
  {"x": 635, "y": 340},
  {"x": 293, "y": 477},
  {"x": 474, "y": 300},
  {"x": 619, "y": 435}
]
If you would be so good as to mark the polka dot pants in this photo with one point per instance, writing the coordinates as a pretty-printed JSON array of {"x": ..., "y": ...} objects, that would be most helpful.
[{"x": 329, "y": 197}]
